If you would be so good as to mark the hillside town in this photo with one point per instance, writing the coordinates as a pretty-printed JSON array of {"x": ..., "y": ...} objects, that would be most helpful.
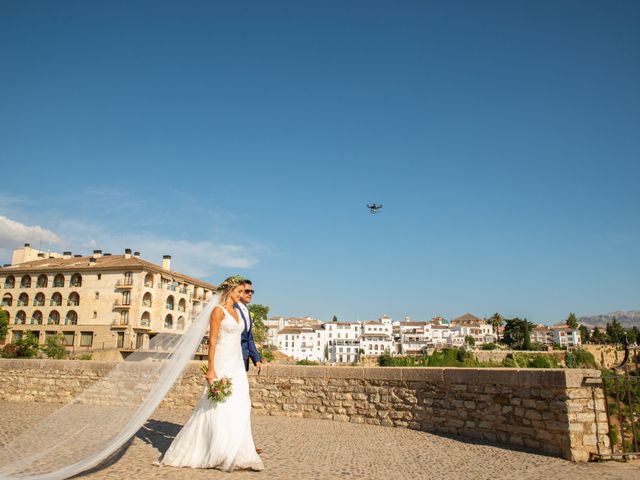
[{"x": 310, "y": 339}]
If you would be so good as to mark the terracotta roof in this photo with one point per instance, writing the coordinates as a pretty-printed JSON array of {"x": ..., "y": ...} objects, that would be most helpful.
[
  {"x": 467, "y": 318},
  {"x": 111, "y": 262}
]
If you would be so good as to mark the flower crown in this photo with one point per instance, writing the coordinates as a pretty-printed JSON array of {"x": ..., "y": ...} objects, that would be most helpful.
[{"x": 230, "y": 283}]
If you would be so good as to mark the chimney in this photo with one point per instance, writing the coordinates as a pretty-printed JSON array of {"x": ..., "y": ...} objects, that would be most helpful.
[
  {"x": 127, "y": 253},
  {"x": 41, "y": 255},
  {"x": 66, "y": 254},
  {"x": 166, "y": 262},
  {"x": 136, "y": 254},
  {"x": 27, "y": 245},
  {"x": 97, "y": 253},
  {"x": 107, "y": 254},
  {"x": 77, "y": 256},
  {"x": 92, "y": 261}
]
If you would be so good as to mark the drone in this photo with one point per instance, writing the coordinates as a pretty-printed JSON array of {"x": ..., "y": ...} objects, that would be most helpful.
[{"x": 374, "y": 207}]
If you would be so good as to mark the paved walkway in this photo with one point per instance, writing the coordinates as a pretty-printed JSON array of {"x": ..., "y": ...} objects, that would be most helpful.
[{"x": 317, "y": 449}]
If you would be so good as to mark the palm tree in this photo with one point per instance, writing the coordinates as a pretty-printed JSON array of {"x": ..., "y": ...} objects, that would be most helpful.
[{"x": 496, "y": 321}]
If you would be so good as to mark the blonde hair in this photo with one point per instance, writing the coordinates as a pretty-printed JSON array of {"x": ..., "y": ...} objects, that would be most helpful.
[{"x": 226, "y": 287}]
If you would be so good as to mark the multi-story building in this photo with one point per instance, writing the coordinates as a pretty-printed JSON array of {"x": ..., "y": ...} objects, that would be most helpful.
[
  {"x": 101, "y": 301},
  {"x": 556, "y": 335}
]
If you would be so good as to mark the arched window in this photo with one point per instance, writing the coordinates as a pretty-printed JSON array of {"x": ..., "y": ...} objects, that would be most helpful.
[
  {"x": 180, "y": 323},
  {"x": 54, "y": 318},
  {"x": 145, "y": 320},
  {"x": 25, "y": 282},
  {"x": 76, "y": 280},
  {"x": 10, "y": 282},
  {"x": 71, "y": 318},
  {"x": 170, "y": 302},
  {"x": 148, "y": 280},
  {"x": 147, "y": 300},
  {"x": 168, "y": 321},
  {"x": 7, "y": 300},
  {"x": 43, "y": 281},
  {"x": 56, "y": 300},
  {"x": 21, "y": 318},
  {"x": 58, "y": 281},
  {"x": 23, "y": 300},
  {"x": 182, "y": 305},
  {"x": 36, "y": 318},
  {"x": 73, "y": 300},
  {"x": 38, "y": 301}
]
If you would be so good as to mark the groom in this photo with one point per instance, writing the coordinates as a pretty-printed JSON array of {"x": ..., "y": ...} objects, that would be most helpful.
[{"x": 249, "y": 350}]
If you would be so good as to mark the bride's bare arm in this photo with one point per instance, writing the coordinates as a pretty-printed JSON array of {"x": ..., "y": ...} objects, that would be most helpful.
[{"x": 214, "y": 328}]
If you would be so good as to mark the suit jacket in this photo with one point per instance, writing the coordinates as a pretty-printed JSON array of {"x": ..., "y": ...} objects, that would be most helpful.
[{"x": 249, "y": 350}]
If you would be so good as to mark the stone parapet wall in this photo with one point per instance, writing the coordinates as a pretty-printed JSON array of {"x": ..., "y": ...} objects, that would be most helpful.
[{"x": 557, "y": 412}]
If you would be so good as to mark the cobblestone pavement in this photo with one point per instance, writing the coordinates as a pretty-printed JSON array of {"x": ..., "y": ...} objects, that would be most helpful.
[{"x": 319, "y": 449}]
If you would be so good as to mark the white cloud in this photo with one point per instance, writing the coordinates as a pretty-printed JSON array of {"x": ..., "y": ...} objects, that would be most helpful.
[{"x": 14, "y": 234}]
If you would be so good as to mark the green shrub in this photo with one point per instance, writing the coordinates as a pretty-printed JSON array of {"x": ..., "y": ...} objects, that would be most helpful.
[
  {"x": 27, "y": 345},
  {"x": 9, "y": 351},
  {"x": 542, "y": 361},
  {"x": 488, "y": 346},
  {"x": 267, "y": 355},
  {"x": 306, "y": 362},
  {"x": 580, "y": 358},
  {"x": 85, "y": 356},
  {"x": 614, "y": 436},
  {"x": 54, "y": 347}
]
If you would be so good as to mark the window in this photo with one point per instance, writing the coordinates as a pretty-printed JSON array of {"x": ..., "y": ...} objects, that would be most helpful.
[
  {"x": 99, "y": 276},
  {"x": 97, "y": 296},
  {"x": 86, "y": 339},
  {"x": 42, "y": 281},
  {"x": 76, "y": 280},
  {"x": 17, "y": 335},
  {"x": 120, "y": 340},
  {"x": 58, "y": 280},
  {"x": 26, "y": 281},
  {"x": 10, "y": 282},
  {"x": 95, "y": 314},
  {"x": 168, "y": 321},
  {"x": 124, "y": 317},
  {"x": 126, "y": 298},
  {"x": 139, "y": 340},
  {"x": 54, "y": 318},
  {"x": 128, "y": 278},
  {"x": 68, "y": 339},
  {"x": 71, "y": 318}
]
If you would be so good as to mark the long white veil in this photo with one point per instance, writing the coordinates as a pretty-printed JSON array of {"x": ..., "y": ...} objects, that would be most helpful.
[{"x": 103, "y": 417}]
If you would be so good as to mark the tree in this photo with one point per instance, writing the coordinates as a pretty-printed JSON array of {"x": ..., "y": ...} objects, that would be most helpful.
[
  {"x": 572, "y": 321},
  {"x": 334, "y": 319},
  {"x": 615, "y": 332},
  {"x": 469, "y": 340},
  {"x": 259, "y": 315},
  {"x": 517, "y": 333},
  {"x": 633, "y": 335},
  {"x": 4, "y": 324},
  {"x": 585, "y": 334},
  {"x": 496, "y": 321},
  {"x": 598, "y": 336}
]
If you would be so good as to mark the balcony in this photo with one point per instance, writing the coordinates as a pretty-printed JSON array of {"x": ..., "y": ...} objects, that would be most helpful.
[
  {"x": 124, "y": 284},
  {"x": 121, "y": 304},
  {"x": 148, "y": 284},
  {"x": 183, "y": 290},
  {"x": 72, "y": 303},
  {"x": 119, "y": 323},
  {"x": 144, "y": 325},
  {"x": 180, "y": 309},
  {"x": 38, "y": 303},
  {"x": 55, "y": 303},
  {"x": 22, "y": 303}
]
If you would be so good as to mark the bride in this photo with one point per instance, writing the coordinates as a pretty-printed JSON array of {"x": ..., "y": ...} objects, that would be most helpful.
[{"x": 218, "y": 434}]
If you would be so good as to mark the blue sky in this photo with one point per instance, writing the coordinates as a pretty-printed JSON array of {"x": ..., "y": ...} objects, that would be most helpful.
[{"x": 502, "y": 137}]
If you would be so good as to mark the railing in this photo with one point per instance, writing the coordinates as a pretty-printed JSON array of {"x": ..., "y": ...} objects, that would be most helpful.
[
  {"x": 75, "y": 284},
  {"x": 7, "y": 304},
  {"x": 73, "y": 303},
  {"x": 22, "y": 303},
  {"x": 68, "y": 321},
  {"x": 25, "y": 285},
  {"x": 118, "y": 303},
  {"x": 124, "y": 283},
  {"x": 58, "y": 284},
  {"x": 169, "y": 306},
  {"x": 184, "y": 290},
  {"x": 9, "y": 285},
  {"x": 148, "y": 284},
  {"x": 118, "y": 322},
  {"x": 171, "y": 287},
  {"x": 55, "y": 303},
  {"x": 38, "y": 303},
  {"x": 180, "y": 309},
  {"x": 146, "y": 304},
  {"x": 145, "y": 324},
  {"x": 41, "y": 285}
]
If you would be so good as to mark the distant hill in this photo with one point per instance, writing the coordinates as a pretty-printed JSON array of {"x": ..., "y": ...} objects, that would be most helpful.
[{"x": 626, "y": 319}]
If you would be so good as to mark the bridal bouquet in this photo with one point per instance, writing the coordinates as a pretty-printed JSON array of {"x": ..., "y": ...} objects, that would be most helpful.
[{"x": 219, "y": 389}]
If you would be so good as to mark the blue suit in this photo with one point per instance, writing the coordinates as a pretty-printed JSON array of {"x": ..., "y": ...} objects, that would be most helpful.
[{"x": 249, "y": 350}]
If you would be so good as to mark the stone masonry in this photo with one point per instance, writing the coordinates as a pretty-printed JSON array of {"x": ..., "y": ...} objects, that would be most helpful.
[{"x": 559, "y": 412}]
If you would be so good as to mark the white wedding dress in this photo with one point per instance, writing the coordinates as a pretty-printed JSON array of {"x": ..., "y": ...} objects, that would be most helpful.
[{"x": 218, "y": 434}]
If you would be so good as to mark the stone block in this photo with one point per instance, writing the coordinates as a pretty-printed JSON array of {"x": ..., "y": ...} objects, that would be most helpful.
[
  {"x": 345, "y": 372},
  {"x": 423, "y": 375},
  {"x": 386, "y": 373}
]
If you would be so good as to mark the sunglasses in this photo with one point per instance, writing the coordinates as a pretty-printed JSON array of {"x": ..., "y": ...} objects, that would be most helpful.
[{"x": 250, "y": 291}]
